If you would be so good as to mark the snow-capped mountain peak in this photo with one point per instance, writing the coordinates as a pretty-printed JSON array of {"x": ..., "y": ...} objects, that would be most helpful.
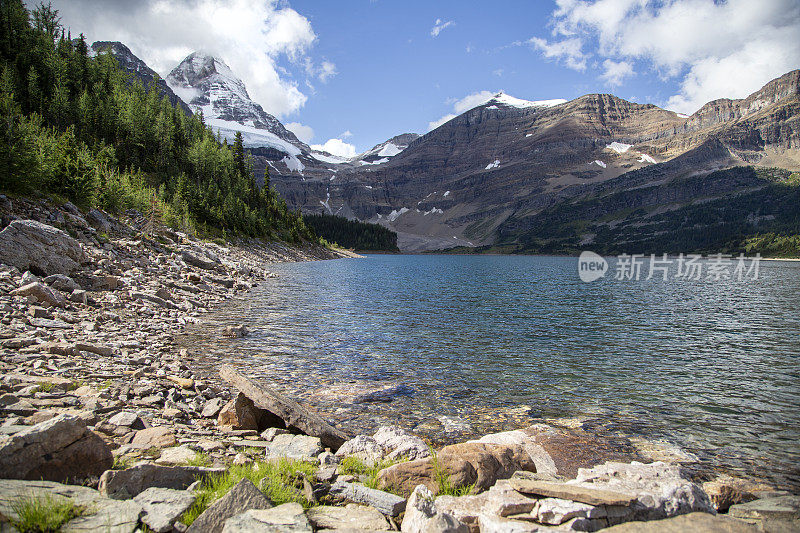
[
  {"x": 207, "y": 83},
  {"x": 502, "y": 98}
]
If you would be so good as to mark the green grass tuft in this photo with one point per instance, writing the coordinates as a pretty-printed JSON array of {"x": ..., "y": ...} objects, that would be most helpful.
[
  {"x": 356, "y": 467},
  {"x": 200, "y": 459},
  {"x": 43, "y": 515},
  {"x": 442, "y": 478},
  {"x": 280, "y": 482}
]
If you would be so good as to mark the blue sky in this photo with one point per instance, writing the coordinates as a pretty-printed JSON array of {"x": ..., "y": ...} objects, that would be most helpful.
[{"x": 356, "y": 72}]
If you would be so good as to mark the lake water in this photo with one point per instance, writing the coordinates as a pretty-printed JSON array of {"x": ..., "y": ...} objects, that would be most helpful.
[{"x": 711, "y": 366}]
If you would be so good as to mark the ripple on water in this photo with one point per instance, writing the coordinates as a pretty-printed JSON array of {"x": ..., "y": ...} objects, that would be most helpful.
[{"x": 709, "y": 367}]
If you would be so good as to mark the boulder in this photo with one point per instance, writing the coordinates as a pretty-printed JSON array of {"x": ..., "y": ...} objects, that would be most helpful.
[
  {"x": 362, "y": 447},
  {"x": 200, "y": 260},
  {"x": 350, "y": 517},
  {"x": 694, "y": 522},
  {"x": 43, "y": 249},
  {"x": 299, "y": 447},
  {"x": 726, "y": 491},
  {"x": 386, "y": 502},
  {"x": 286, "y": 518},
  {"x": 235, "y": 331},
  {"x": 468, "y": 463},
  {"x": 422, "y": 516},
  {"x": 98, "y": 220},
  {"x": 499, "y": 501},
  {"x": 156, "y": 437},
  {"x": 62, "y": 283},
  {"x": 124, "y": 484},
  {"x": 58, "y": 449},
  {"x": 660, "y": 490},
  {"x": 779, "y": 513},
  {"x": 42, "y": 293},
  {"x": 127, "y": 419},
  {"x": 575, "y": 493},
  {"x": 179, "y": 455},
  {"x": 401, "y": 444},
  {"x": 292, "y": 413},
  {"x": 239, "y": 413},
  {"x": 244, "y": 496},
  {"x": 162, "y": 507},
  {"x": 100, "y": 513}
]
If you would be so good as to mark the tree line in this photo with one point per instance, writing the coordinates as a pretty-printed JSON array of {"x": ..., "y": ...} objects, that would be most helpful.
[
  {"x": 353, "y": 234},
  {"x": 77, "y": 127}
]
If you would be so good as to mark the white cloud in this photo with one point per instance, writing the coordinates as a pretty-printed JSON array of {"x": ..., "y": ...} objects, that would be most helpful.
[
  {"x": 303, "y": 132},
  {"x": 498, "y": 72},
  {"x": 336, "y": 147},
  {"x": 251, "y": 37},
  {"x": 715, "y": 49},
  {"x": 440, "y": 25},
  {"x": 345, "y": 134},
  {"x": 461, "y": 105},
  {"x": 568, "y": 50},
  {"x": 615, "y": 72}
]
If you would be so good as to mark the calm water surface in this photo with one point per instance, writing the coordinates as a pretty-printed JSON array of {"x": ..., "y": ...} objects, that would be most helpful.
[{"x": 712, "y": 367}]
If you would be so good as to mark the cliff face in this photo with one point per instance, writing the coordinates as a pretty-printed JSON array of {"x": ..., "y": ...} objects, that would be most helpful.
[
  {"x": 509, "y": 158},
  {"x": 138, "y": 68}
]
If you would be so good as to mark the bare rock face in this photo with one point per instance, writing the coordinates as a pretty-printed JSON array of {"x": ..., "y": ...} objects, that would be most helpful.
[
  {"x": 124, "y": 484},
  {"x": 59, "y": 449},
  {"x": 40, "y": 248}
]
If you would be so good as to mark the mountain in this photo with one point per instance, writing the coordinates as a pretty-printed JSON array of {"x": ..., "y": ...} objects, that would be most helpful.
[
  {"x": 138, "y": 68},
  {"x": 381, "y": 153},
  {"x": 488, "y": 176}
]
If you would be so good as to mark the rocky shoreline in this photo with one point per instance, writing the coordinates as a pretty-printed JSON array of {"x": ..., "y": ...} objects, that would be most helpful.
[{"x": 100, "y": 408}]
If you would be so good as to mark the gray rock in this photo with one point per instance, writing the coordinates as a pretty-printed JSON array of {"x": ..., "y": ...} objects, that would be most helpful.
[
  {"x": 61, "y": 282},
  {"x": 386, "y": 502},
  {"x": 244, "y": 496},
  {"x": 200, "y": 261},
  {"x": 31, "y": 245},
  {"x": 42, "y": 293},
  {"x": 270, "y": 433},
  {"x": 781, "y": 513},
  {"x": 399, "y": 443},
  {"x": 350, "y": 517},
  {"x": 162, "y": 507},
  {"x": 385, "y": 394},
  {"x": 661, "y": 491},
  {"x": 286, "y": 518},
  {"x": 58, "y": 449},
  {"x": 299, "y": 447},
  {"x": 101, "y": 514},
  {"x": 98, "y": 220},
  {"x": 422, "y": 516},
  {"x": 363, "y": 447},
  {"x": 124, "y": 484},
  {"x": 694, "y": 522},
  {"x": 179, "y": 455},
  {"x": 127, "y": 419},
  {"x": 212, "y": 408}
]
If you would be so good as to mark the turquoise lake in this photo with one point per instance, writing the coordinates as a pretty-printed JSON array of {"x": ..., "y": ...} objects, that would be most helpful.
[{"x": 710, "y": 366}]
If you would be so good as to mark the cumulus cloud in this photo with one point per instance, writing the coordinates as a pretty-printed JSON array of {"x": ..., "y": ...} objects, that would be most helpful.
[
  {"x": 714, "y": 49},
  {"x": 615, "y": 72},
  {"x": 336, "y": 147},
  {"x": 567, "y": 50},
  {"x": 461, "y": 105},
  {"x": 303, "y": 132},
  {"x": 440, "y": 25},
  {"x": 251, "y": 37}
]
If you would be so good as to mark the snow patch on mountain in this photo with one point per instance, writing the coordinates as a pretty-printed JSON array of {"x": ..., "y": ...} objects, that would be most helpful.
[
  {"x": 390, "y": 150},
  {"x": 647, "y": 159},
  {"x": 620, "y": 148},
  {"x": 293, "y": 164},
  {"x": 598, "y": 163},
  {"x": 505, "y": 99},
  {"x": 493, "y": 164},
  {"x": 391, "y": 217},
  {"x": 328, "y": 158}
]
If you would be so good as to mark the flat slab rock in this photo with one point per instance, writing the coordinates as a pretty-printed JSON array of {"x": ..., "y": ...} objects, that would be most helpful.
[
  {"x": 101, "y": 514},
  {"x": 575, "y": 493},
  {"x": 290, "y": 411},
  {"x": 124, "y": 484},
  {"x": 286, "y": 518},
  {"x": 352, "y": 517},
  {"x": 694, "y": 522}
]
